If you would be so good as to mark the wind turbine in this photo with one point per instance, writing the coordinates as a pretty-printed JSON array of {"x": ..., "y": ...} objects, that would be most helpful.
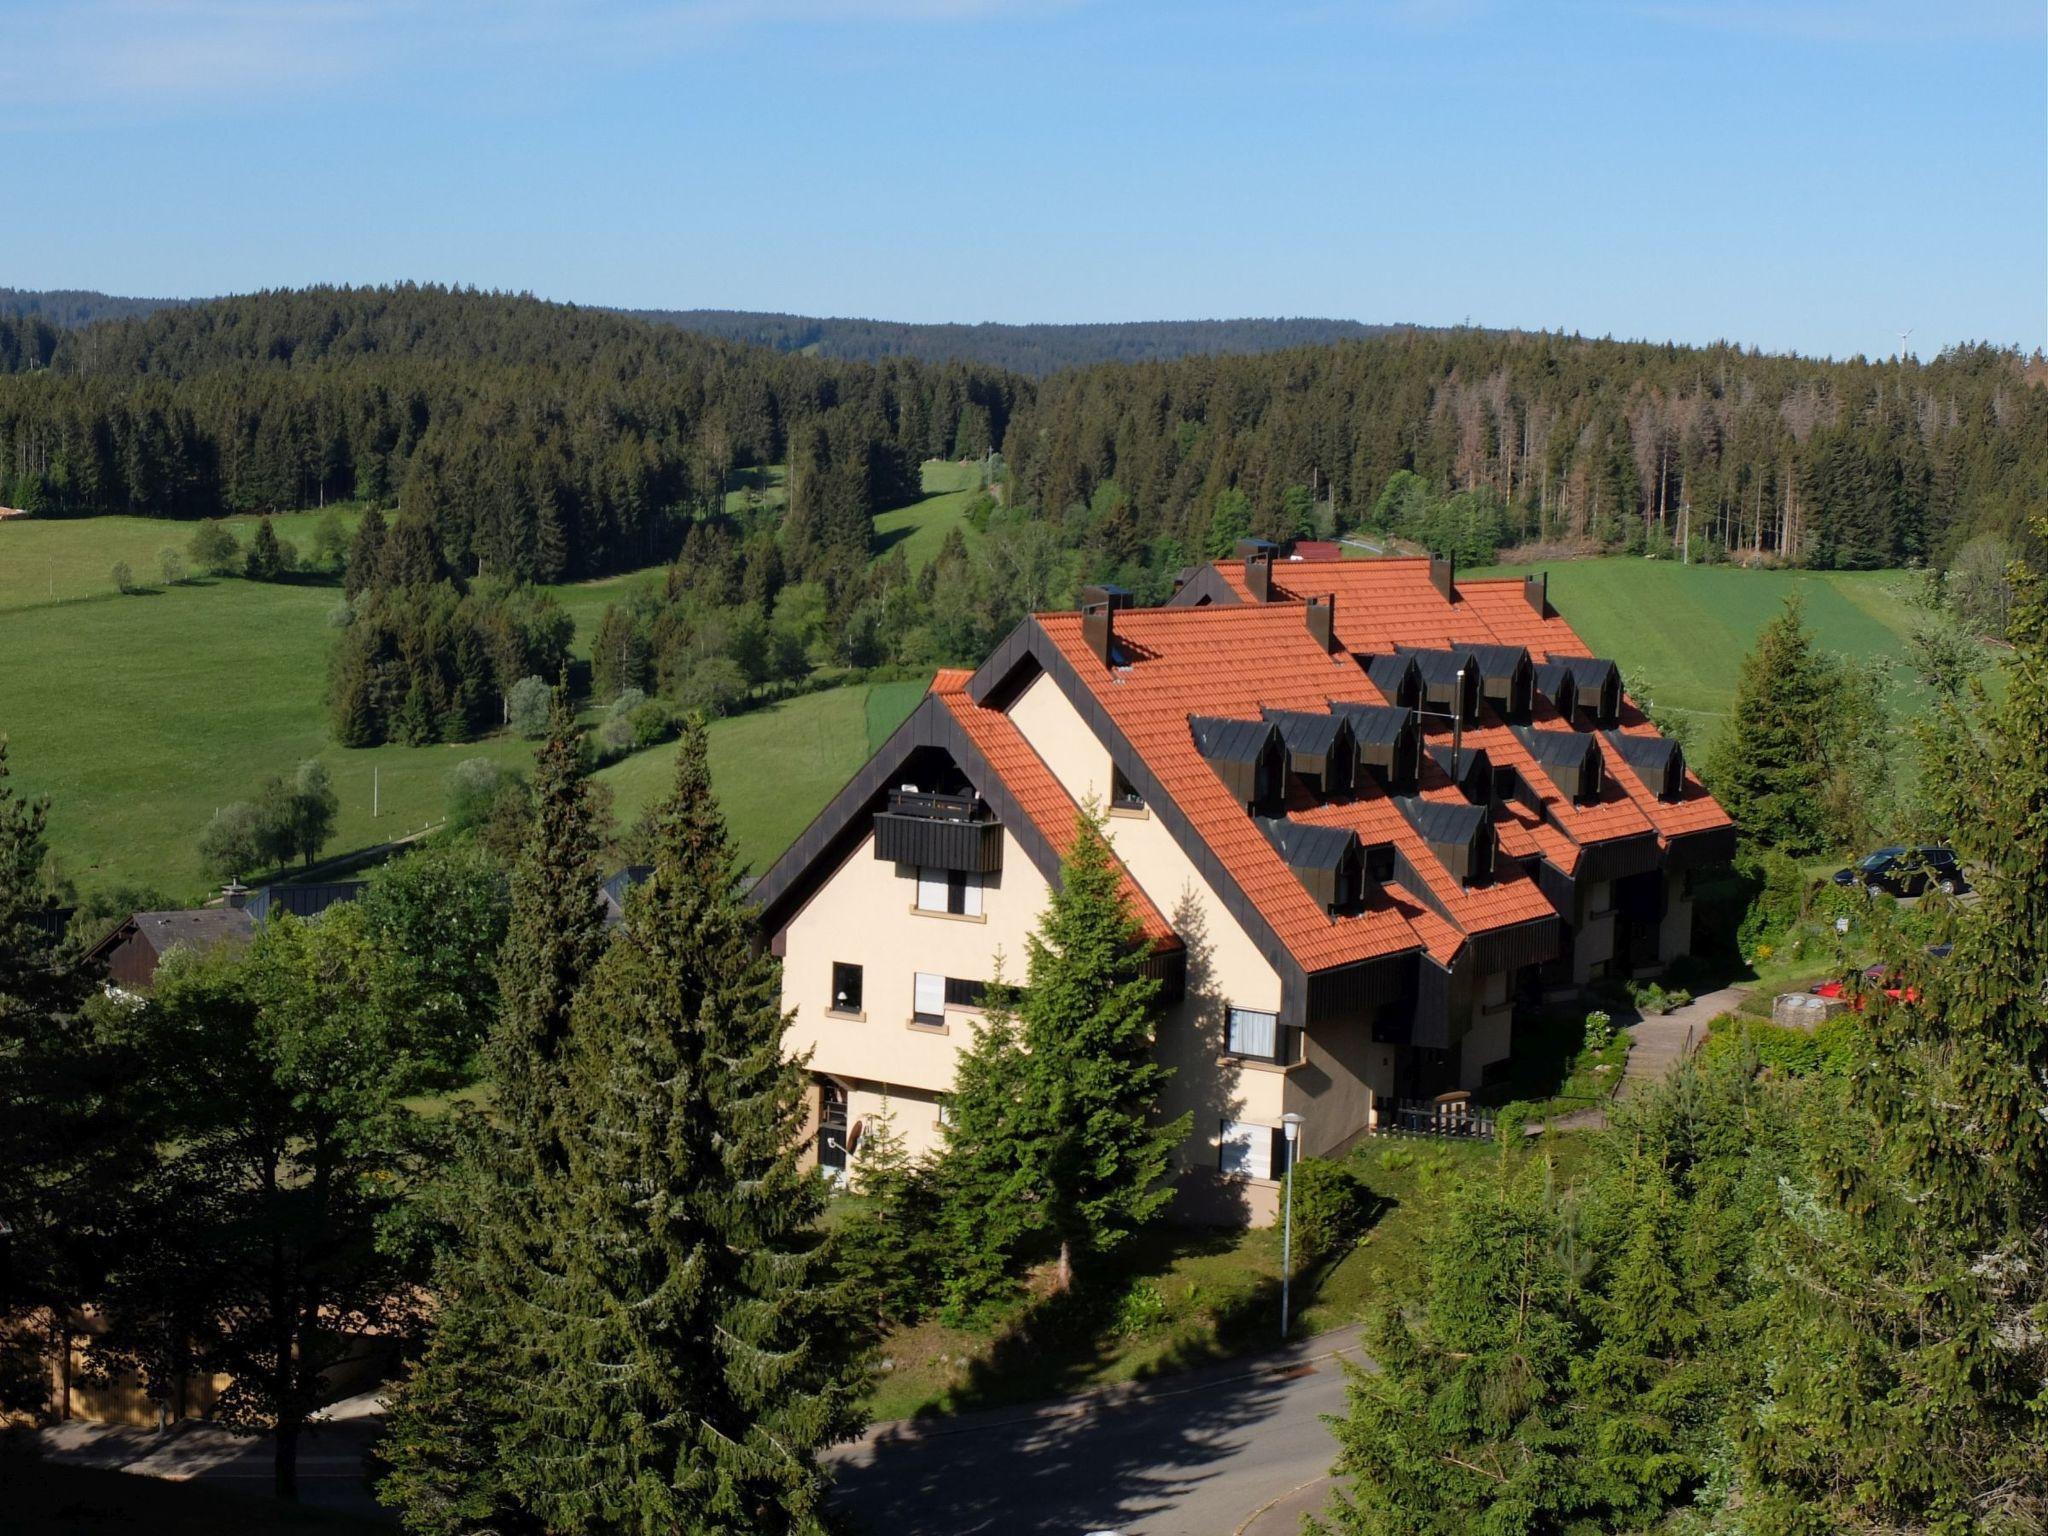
[{"x": 1902, "y": 342}]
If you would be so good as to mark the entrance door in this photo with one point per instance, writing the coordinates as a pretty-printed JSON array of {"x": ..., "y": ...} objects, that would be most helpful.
[{"x": 831, "y": 1126}]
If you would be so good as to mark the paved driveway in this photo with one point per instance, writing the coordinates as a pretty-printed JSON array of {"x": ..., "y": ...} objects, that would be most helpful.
[{"x": 1198, "y": 1455}]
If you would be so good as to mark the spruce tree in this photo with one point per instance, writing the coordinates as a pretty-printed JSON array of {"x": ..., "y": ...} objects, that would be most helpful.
[
  {"x": 706, "y": 1353},
  {"x": 365, "y": 554},
  {"x": 1909, "y": 1365},
  {"x": 458, "y": 1438},
  {"x": 985, "y": 1175},
  {"x": 266, "y": 555},
  {"x": 1098, "y": 1152},
  {"x": 1769, "y": 766}
]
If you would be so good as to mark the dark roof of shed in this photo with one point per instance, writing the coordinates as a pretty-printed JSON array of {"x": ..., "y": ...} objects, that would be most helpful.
[
  {"x": 1308, "y": 733},
  {"x": 1442, "y": 821},
  {"x": 1230, "y": 741},
  {"x": 1308, "y": 847},
  {"x": 198, "y": 928},
  {"x": 1374, "y": 724}
]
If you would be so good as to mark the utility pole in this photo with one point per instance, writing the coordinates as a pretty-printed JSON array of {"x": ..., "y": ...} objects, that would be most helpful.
[{"x": 376, "y": 788}]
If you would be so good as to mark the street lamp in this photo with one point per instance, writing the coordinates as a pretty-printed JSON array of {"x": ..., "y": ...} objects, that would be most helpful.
[{"x": 1291, "y": 1124}]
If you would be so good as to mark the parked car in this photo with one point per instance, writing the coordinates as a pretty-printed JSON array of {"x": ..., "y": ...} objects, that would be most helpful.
[
  {"x": 1876, "y": 976},
  {"x": 1906, "y": 872}
]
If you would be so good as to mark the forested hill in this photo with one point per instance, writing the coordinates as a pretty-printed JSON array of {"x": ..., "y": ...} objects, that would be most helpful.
[
  {"x": 67, "y": 307},
  {"x": 1036, "y": 350},
  {"x": 541, "y": 440},
  {"x": 1471, "y": 439}
]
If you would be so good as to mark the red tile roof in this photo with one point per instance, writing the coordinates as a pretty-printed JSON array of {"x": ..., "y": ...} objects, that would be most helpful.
[
  {"x": 1384, "y": 603},
  {"x": 1023, "y": 772},
  {"x": 1230, "y": 662}
]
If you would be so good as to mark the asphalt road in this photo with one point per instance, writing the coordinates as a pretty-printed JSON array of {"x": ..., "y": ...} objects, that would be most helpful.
[{"x": 1197, "y": 1455}]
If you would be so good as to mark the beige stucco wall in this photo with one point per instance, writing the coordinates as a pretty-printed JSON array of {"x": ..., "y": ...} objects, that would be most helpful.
[
  {"x": 865, "y": 914},
  {"x": 1226, "y": 967}
]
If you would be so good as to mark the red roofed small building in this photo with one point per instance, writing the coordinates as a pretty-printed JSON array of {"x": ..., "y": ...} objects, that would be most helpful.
[{"x": 1364, "y": 814}]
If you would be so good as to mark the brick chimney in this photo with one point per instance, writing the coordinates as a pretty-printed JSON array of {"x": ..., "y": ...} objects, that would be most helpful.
[
  {"x": 1258, "y": 574},
  {"x": 1442, "y": 570},
  {"x": 1536, "y": 590},
  {"x": 1322, "y": 621}
]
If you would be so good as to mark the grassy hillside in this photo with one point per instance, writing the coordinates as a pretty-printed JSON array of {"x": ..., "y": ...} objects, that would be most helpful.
[
  {"x": 140, "y": 715},
  {"x": 921, "y": 527},
  {"x": 776, "y": 767},
  {"x": 62, "y": 560},
  {"x": 1680, "y": 631}
]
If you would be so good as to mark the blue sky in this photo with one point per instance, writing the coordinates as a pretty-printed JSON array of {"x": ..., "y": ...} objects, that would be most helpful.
[{"x": 1807, "y": 174}]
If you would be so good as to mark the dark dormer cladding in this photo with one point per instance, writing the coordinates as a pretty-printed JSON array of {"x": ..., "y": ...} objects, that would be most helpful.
[
  {"x": 1247, "y": 755},
  {"x": 1507, "y": 679},
  {"x": 1098, "y": 625},
  {"x": 1397, "y": 677},
  {"x": 1659, "y": 763},
  {"x": 1599, "y": 687},
  {"x": 1460, "y": 837},
  {"x": 1389, "y": 742},
  {"x": 1440, "y": 671},
  {"x": 1570, "y": 759},
  {"x": 1328, "y": 861},
  {"x": 1320, "y": 749},
  {"x": 1468, "y": 768},
  {"x": 1554, "y": 681}
]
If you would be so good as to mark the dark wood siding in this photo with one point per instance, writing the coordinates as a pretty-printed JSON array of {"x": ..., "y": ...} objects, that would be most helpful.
[{"x": 974, "y": 847}]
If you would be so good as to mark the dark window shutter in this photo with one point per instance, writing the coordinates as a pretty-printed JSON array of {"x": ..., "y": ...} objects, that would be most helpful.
[{"x": 965, "y": 994}]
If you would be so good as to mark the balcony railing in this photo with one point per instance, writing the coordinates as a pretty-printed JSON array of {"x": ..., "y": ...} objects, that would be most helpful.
[
  {"x": 933, "y": 831},
  {"x": 1429, "y": 1117},
  {"x": 932, "y": 806}
]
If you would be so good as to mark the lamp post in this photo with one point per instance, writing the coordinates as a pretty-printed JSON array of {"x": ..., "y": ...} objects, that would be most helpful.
[{"x": 1291, "y": 1124}]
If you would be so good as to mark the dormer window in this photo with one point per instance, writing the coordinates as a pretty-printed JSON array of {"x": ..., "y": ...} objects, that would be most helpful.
[{"x": 1123, "y": 794}]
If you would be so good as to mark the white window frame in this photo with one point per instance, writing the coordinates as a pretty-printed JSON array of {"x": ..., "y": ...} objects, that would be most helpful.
[
  {"x": 1245, "y": 1148},
  {"x": 1271, "y": 1029},
  {"x": 935, "y": 892}
]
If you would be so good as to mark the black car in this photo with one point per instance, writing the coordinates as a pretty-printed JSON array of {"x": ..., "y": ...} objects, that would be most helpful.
[{"x": 1906, "y": 872}]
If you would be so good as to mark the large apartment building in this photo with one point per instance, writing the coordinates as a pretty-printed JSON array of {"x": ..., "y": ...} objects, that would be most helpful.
[{"x": 1365, "y": 814}]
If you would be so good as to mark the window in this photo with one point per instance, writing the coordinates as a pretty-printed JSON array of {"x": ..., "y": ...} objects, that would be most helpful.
[
  {"x": 1251, "y": 1151},
  {"x": 846, "y": 981},
  {"x": 1123, "y": 795},
  {"x": 928, "y": 999},
  {"x": 965, "y": 994},
  {"x": 1379, "y": 862},
  {"x": 1504, "y": 781},
  {"x": 949, "y": 890},
  {"x": 1253, "y": 1033}
]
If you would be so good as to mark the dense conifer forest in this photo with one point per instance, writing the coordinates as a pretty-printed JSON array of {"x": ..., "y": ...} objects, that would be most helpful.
[
  {"x": 547, "y": 441},
  {"x": 1029, "y": 349},
  {"x": 541, "y": 441}
]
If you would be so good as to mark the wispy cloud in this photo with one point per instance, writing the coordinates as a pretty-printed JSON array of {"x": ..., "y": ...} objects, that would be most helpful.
[{"x": 149, "y": 55}]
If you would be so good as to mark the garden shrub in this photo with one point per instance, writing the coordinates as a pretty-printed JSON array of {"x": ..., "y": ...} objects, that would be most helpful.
[
  {"x": 1779, "y": 898},
  {"x": 1332, "y": 1207},
  {"x": 1599, "y": 1030}
]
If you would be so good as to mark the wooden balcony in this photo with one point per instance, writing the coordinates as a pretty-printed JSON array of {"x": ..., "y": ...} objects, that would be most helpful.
[{"x": 933, "y": 831}]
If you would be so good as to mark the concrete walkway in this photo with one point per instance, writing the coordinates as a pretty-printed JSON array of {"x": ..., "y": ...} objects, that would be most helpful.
[{"x": 1662, "y": 1041}]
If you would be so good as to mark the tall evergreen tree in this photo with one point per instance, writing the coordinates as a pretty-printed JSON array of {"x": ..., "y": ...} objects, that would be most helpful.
[
  {"x": 1769, "y": 768},
  {"x": 266, "y": 553},
  {"x": 706, "y": 1348},
  {"x": 457, "y": 1443},
  {"x": 1098, "y": 1151},
  {"x": 1909, "y": 1377},
  {"x": 365, "y": 553}
]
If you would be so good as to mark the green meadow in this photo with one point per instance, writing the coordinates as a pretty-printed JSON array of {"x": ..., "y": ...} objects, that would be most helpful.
[
  {"x": 920, "y": 529},
  {"x": 1680, "y": 631}
]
